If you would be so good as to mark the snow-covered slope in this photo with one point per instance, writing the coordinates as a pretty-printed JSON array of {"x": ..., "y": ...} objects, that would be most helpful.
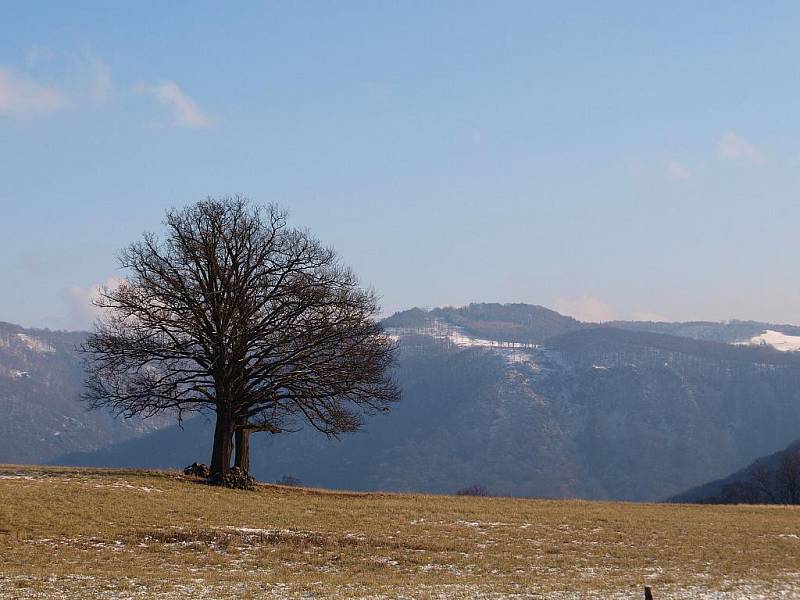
[
  {"x": 455, "y": 337},
  {"x": 776, "y": 339}
]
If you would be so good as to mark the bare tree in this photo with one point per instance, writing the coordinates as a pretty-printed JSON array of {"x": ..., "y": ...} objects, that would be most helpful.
[
  {"x": 290, "y": 480},
  {"x": 241, "y": 443},
  {"x": 473, "y": 490},
  {"x": 761, "y": 484},
  {"x": 234, "y": 312},
  {"x": 778, "y": 485},
  {"x": 787, "y": 478}
]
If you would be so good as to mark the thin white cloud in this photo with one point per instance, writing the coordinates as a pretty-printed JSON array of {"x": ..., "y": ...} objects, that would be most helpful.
[
  {"x": 586, "y": 308},
  {"x": 679, "y": 171},
  {"x": 39, "y": 54},
  {"x": 20, "y": 96},
  {"x": 101, "y": 81},
  {"x": 187, "y": 113},
  {"x": 81, "y": 310},
  {"x": 734, "y": 147}
]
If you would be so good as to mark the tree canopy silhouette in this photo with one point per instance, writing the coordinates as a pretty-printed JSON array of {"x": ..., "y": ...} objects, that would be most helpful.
[{"x": 235, "y": 312}]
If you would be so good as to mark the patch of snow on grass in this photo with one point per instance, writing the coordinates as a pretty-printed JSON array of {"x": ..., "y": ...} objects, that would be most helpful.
[
  {"x": 252, "y": 530},
  {"x": 128, "y": 486},
  {"x": 481, "y": 524}
]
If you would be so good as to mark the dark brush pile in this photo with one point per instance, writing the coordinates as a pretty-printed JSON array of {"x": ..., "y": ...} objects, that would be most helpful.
[
  {"x": 473, "y": 490},
  {"x": 235, "y": 479},
  {"x": 197, "y": 470}
]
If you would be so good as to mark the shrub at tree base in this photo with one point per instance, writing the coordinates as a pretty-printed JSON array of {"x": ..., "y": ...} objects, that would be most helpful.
[
  {"x": 473, "y": 490},
  {"x": 197, "y": 470},
  {"x": 289, "y": 480}
]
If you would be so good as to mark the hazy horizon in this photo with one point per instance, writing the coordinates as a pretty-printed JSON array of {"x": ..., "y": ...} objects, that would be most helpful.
[{"x": 606, "y": 161}]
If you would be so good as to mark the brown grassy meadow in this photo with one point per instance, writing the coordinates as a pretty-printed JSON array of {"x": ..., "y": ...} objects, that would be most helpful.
[{"x": 141, "y": 534}]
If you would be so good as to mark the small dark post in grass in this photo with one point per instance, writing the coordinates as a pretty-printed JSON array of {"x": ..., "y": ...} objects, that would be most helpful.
[{"x": 648, "y": 594}]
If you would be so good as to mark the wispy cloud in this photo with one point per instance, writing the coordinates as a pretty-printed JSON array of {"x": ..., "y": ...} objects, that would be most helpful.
[
  {"x": 39, "y": 54},
  {"x": 20, "y": 95},
  {"x": 84, "y": 79},
  {"x": 734, "y": 147},
  {"x": 101, "y": 82},
  {"x": 187, "y": 113},
  {"x": 678, "y": 170},
  {"x": 80, "y": 302},
  {"x": 586, "y": 308}
]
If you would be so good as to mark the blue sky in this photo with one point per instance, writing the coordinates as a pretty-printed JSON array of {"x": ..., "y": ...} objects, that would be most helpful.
[{"x": 609, "y": 160}]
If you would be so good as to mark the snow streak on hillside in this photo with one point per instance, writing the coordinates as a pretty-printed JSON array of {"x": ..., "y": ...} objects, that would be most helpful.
[
  {"x": 22, "y": 340},
  {"x": 776, "y": 339},
  {"x": 451, "y": 335},
  {"x": 35, "y": 344}
]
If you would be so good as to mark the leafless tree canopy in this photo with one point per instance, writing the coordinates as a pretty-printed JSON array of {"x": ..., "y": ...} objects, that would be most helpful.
[
  {"x": 764, "y": 484},
  {"x": 234, "y": 311}
]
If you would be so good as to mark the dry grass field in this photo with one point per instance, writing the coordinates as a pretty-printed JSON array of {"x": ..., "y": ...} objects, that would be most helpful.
[{"x": 134, "y": 534}]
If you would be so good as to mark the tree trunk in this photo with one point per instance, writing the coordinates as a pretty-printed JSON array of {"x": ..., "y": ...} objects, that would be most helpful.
[
  {"x": 242, "y": 459},
  {"x": 221, "y": 454}
]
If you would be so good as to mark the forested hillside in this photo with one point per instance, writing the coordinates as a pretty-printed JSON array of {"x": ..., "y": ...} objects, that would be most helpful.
[
  {"x": 41, "y": 417},
  {"x": 593, "y": 412},
  {"x": 772, "y": 479}
]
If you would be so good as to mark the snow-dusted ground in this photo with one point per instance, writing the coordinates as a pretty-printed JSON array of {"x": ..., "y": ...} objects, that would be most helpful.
[
  {"x": 198, "y": 587},
  {"x": 776, "y": 339}
]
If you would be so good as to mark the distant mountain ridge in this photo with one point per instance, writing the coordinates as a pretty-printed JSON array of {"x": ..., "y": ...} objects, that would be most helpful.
[
  {"x": 535, "y": 324},
  {"x": 523, "y": 323},
  {"x": 730, "y": 332},
  {"x": 531, "y": 403}
]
